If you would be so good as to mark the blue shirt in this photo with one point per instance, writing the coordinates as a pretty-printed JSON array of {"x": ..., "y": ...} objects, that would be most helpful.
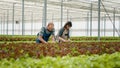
[{"x": 45, "y": 29}]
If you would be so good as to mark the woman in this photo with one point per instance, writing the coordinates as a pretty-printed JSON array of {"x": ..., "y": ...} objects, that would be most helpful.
[{"x": 64, "y": 32}]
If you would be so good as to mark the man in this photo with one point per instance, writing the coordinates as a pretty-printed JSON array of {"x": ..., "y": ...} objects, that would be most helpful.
[
  {"x": 45, "y": 33},
  {"x": 64, "y": 32}
]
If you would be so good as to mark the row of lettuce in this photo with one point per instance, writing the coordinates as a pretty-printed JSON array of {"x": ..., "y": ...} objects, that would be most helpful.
[
  {"x": 59, "y": 55},
  {"x": 82, "y": 61},
  {"x": 33, "y": 38},
  {"x": 17, "y": 50}
]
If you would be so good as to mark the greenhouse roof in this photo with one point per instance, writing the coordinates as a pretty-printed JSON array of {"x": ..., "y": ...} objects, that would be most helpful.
[{"x": 75, "y": 9}]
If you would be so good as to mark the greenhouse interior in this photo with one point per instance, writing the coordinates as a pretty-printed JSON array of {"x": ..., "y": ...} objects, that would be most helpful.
[{"x": 59, "y": 33}]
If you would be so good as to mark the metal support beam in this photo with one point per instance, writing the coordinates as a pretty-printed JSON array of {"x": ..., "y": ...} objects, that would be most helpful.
[
  {"x": 4, "y": 25},
  {"x": 44, "y": 21},
  {"x": 67, "y": 14},
  {"x": 23, "y": 23},
  {"x": 19, "y": 30},
  {"x": 61, "y": 13},
  {"x": 119, "y": 24},
  {"x": 91, "y": 19},
  {"x": 88, "y": 24},
  {"x": 32, "y": 23},
  {"x": 99, "y": 1},
  {"x": 70, "y": 18},
  {"x": 104, "y": 25},
  {"x": 13, "y": 19},
  {"x": 53, "y": 17},
  {"x": 1, "y": 25},
  {"x": 114, "y": 23},
  {"x": 7, "y": 21},
  {"x": 101, "y": 29}
]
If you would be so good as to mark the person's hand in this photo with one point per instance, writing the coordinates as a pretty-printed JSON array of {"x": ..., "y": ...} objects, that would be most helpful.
[
  {"x": 69, "y": 40},
  {"x": 53, "y": 42},
  {"x": 66, "y": 41},
  {"x": 45, "y": 42}
]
